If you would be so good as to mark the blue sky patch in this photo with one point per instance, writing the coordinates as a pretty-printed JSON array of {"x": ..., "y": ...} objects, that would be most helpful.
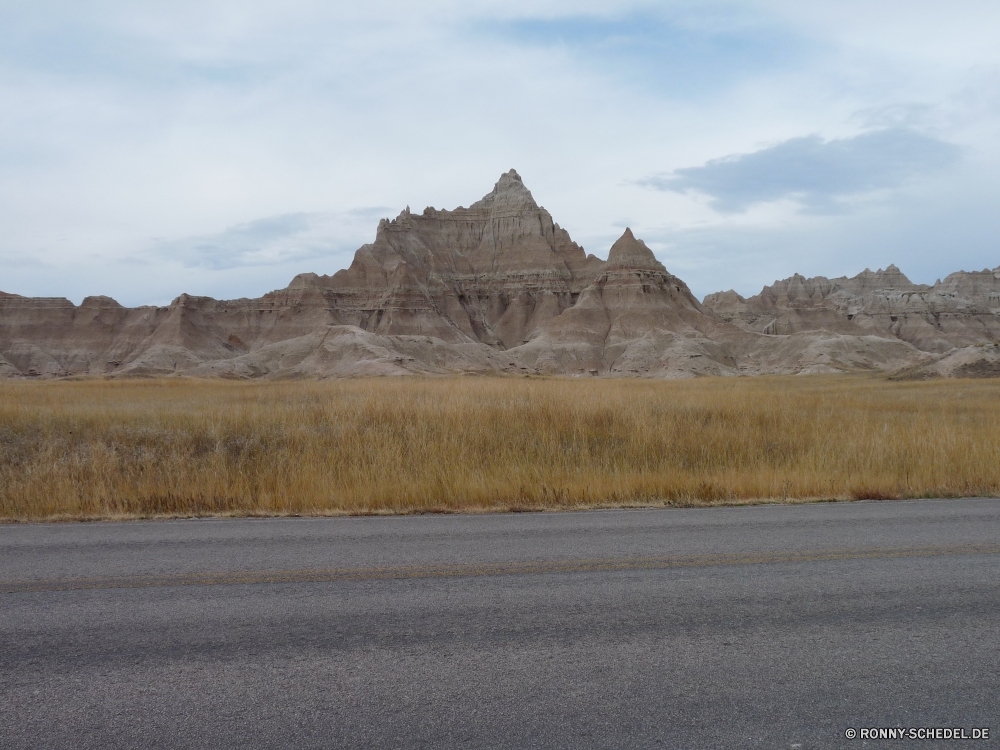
[{"x": 676, "y": 56}]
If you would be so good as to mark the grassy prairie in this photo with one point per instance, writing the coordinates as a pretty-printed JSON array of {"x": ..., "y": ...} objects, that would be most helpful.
[{"x": 179, "y": 446}]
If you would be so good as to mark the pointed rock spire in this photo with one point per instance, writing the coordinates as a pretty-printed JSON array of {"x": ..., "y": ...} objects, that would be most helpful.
[
  {"x": 509, "y": 179},
  {"x": 628, "y": 252},
  {"x": 509, "y": 191}
]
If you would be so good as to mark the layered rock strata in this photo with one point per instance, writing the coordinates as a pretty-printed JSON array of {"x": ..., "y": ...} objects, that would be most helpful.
[
  {"x": 962, "y": 310},
  {"x": 492, "y": 273},
  {"x": 500, "y": 287}
]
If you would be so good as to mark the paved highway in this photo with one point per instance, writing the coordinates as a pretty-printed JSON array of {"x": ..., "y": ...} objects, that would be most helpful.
[{"x": 754, "y": 627}]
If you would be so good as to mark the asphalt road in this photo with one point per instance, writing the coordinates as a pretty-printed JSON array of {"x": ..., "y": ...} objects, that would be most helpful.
[{"x": 755, "y": 627}]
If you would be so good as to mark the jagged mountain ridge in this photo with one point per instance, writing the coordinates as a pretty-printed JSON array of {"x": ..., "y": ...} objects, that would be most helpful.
[
  {"x": 491, "y": 273},
  {"x": 500, "y": 287},
  {"x": 961, "y": 310}
]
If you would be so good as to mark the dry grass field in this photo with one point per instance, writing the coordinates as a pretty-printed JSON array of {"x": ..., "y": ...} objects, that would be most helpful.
[{"x": 188, "y": 447}]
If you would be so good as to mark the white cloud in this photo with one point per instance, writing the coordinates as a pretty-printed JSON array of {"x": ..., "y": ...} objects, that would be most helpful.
[{"x": 193, "y": 122}]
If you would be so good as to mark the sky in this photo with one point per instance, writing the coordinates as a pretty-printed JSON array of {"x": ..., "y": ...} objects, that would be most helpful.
[{"x": 221, "y": 147}]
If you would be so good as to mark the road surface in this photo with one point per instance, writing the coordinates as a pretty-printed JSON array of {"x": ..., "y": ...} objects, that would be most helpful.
[{"x": 753, "y": 627}]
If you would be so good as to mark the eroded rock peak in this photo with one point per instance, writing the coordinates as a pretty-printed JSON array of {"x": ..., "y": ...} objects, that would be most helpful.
[{"x": 629, "y": 252}]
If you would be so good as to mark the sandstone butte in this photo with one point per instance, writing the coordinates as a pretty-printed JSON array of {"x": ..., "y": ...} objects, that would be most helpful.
[{"x": 498, "y": 287}]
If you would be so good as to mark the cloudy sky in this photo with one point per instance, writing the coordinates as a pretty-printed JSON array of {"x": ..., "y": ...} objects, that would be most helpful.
[{"x": 220, "y": 147}]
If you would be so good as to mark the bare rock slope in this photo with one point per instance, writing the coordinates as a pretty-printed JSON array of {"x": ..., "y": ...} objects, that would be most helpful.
[
  {"x": 500, "y": 287},
  {"x": 962, "y": 310},
  {"x": 976, "y": 361}
]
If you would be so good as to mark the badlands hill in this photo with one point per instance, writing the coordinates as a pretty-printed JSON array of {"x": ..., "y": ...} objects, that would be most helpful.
[{"x": 500, "y": 287}]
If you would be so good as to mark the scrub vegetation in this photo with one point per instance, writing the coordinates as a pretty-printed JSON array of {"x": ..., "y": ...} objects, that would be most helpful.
[{"x": 92, "y": 449}]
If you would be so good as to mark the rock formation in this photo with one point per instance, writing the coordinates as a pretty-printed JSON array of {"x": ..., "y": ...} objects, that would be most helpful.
[
  {"x": 962, "y": 310},
  {"x": 492, "y": 273},
  {"x": 499, "y": 287},
  {"x": 976, "y": 361}
]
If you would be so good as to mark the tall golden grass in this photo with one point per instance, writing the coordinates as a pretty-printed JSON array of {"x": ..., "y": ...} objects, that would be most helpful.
[{"x": 178, "y": 446}]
